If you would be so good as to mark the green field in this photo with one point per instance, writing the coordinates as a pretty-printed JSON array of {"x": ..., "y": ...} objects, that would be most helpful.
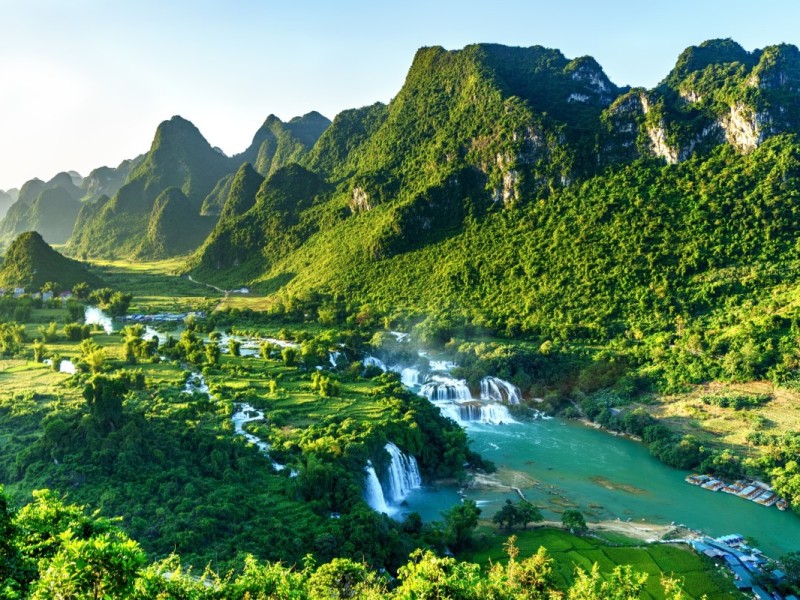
[{"x": 569, "y": 551}]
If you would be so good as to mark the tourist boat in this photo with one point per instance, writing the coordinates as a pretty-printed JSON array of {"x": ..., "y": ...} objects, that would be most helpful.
[
  {"x": 767, "y": 498},
  {"x": 696, "y": 479},
  {"x": 749, "y": 490},
  {"x": 734, "y": 488},
  {"x": 712, "y": 484}
]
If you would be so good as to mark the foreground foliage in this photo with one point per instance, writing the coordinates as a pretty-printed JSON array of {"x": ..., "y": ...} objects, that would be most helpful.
[{"x": 54, "y": 550}]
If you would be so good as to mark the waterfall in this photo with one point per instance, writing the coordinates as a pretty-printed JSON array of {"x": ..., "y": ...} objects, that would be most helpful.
[
  {"x": 450, "y": 410},
  {"x": 410, "y": 377},
  {"x": 495, "y": 414},
  {"x": 495, "y": 389},
  {"x": 403, "y": 474},
  {"x": 373, "y": 492},
  {"x": 67, "y": 366},
  {"x": 94, "y": 316},
  {"x": 441, "y": 365},
  {"x": 196, "y": 383},
  {"x": 150, "y": 333},
  {"x": 371, "y": 361},
  {"x": 246, "y": 414},
  {"x": 400, "y": 336},
  {"x": 465, "y": 413},
  {"x": 443, "y": 388},
  {"x": 333, "y": 357}
]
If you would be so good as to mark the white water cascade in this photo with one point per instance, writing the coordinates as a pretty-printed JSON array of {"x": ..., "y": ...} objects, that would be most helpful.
[
  {"x": 94, "y": 316},
  {"x": 410, "y": 377},
  {"x": 67, "y": 366},
  {"x": 439, "y": 388},
  {"x": 402, "y": 475},
  {"x": 495, "y": 389},
  {"x": 373, "y": 492},
  {"x": 245, "y": 414},
  {"x": 371, "y": 361},
  {"x": 474, "y": 411},
  {"x": 196, "y": 383}
]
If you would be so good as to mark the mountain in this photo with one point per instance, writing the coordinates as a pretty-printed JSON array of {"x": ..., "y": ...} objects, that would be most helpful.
[
  {"x": 261, "y": 219},
  {"x": 174, "y": 227},
  {"x": 47, "y": 207},
  {"x": 6, "y": 200},
  {"x": 276, "y": 144},
  {"x": 30, "y": 262},
  {"x": 106, "y": 181},
  {"x": 524, "y": 190},
  {"x": 127, "y": 219},
  {"x": 179, "y": 157}
]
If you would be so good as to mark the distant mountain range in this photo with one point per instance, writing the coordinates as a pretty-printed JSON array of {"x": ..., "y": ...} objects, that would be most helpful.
[{"x": 493, "y": 171}]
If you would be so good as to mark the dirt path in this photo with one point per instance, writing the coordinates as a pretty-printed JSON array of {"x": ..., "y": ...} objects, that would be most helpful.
[{"x": 646, "y": 532}]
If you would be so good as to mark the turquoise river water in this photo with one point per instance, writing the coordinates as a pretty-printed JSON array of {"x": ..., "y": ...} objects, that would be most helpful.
[{"x": 560, "y": 464}]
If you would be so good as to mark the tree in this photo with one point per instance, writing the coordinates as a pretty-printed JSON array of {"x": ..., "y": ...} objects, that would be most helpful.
[
  {"x": 791, "y": 566},
  {"x": 96, "y": 360},
  {"x": 527, "y": 513},
  {"x": 10, "y": 561},
  {"x": 289, "y": 356},
  {"x": 81, "y": 290},
  {"x": 532, "y": 578},
  {"x": 212, "y": 354},
  {"x": 507, "y": 516},
  {"x": 574, "y": 521},
  {"x": 429, "y": 576},
  {"x": 103, "y": 566},
  {"x": 104, "y": 396},
  {"x": 622, "y": 584},
  {"x": 39, "y": 351},
  {"x": 234, "y": 347},
  {"x": 344, "y": 578},
  {"x": 460, "y": 521}
]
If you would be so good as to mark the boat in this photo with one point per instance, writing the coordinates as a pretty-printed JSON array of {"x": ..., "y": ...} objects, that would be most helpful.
[
  {"x": 768, "y": 498},
  {"x": 712, "y": 484},
  {"x": 696, "y": 479},
  {"x": 757, "y": 492},
  {"x": 734, "y": 488}
]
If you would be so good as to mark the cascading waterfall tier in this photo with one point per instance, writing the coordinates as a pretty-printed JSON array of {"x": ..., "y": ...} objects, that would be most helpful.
[
  {"x": 373, "y": 492},
  {"x": 495, "y": 389},
  {"x": 244, "y": 414},
  {"x": 402, "y": 475},
  {"x": 455, "y": 401},
  {"x": 474, "y": 411},
  {"x": 411, "y": 377},
  {"x": 439, "y": 388},
  {"x": 400, "y": 479},
  {"x": 371, "y": 361}
]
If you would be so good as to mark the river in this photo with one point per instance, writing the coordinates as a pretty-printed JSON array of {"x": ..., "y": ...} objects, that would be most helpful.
[{"x": 560, "y": 464}]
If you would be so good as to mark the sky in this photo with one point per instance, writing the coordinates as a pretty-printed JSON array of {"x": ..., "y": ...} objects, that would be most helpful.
[{"x": 85, "y": 83}]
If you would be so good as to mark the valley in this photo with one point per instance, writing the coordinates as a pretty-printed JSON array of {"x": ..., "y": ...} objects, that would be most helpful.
[{"x": 381, "y": 339}]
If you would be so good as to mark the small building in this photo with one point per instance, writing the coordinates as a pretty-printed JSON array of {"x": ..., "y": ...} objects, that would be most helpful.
[
  {"x": 19, "y": 291},
  {"x": 47, "y": 296}
]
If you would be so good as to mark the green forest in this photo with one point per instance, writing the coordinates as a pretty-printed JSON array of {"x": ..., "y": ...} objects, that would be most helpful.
[{"x": 623, "y": 256}]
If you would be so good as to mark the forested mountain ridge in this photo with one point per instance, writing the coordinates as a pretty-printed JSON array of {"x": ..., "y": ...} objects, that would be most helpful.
[
  {"x": 179, "y": 157},
  {"x": 497, "y": 178},
  {"x": 31, "y": 263}
]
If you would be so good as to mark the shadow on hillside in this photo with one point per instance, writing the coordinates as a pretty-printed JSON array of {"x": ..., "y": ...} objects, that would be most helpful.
[{"x": 273, "y": 284}]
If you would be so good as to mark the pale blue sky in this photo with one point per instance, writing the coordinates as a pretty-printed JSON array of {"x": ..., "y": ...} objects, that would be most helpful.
[{"x": 86, "y": 82}]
